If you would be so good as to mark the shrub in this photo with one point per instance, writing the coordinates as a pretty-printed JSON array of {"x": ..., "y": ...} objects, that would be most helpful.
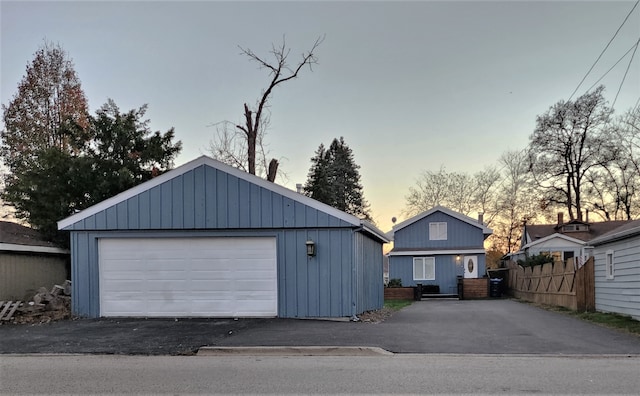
[
  {"x": 534, "y": 260},
  {"x": 395, "y": 282}
]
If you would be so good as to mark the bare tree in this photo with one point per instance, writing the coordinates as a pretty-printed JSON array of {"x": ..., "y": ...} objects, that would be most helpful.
[
  {"x": 228, "y": 146},
  {"x": 570, "y": 139},
  {"x": 461, "y": 192},
  {"x": 614, "y": 189},
  {"x": 516, "y": 202}
]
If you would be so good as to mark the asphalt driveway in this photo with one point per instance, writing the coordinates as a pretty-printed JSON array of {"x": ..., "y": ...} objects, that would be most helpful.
[{"x": 432, "y": 326}]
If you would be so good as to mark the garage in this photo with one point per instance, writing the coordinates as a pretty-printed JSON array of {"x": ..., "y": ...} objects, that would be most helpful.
[
  {"x": 188, "y": 277},
  {"x": 209, "y": 240}
]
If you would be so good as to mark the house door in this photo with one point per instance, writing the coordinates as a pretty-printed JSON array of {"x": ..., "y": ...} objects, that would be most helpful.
[{"x": 470, "y": 264}]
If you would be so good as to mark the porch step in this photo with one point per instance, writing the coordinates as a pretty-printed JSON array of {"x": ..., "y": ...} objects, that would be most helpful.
[{"x": 439, "y": 295}]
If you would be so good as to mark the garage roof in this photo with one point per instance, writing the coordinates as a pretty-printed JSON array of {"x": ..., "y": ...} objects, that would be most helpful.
[{"x": 71, "y": 222}]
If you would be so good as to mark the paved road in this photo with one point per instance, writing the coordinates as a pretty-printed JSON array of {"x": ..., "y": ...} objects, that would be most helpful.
[
  {"x": 414, "y": 374},
  {"x": 435, "y": 326}
]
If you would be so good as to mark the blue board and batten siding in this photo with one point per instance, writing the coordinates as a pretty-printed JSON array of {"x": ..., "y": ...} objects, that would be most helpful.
[
  {"x": 446, "y": 272},
  {"x": 411, "y": 239},
  {"x": 343, "y": 279},
  {"x": 622, "y": 293},
  {"x": 459, "y": 234},
  {"x": 368, "y": 274},
  {"x": 207, "y": 198}
]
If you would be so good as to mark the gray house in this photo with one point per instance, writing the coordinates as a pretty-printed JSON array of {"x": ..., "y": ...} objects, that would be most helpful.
[
  {"x": 617, "y": 270},
  {"x": 209, "y": 240},
  {"x": 28, "y": 262},
  {"x": 435, "y": 247}
]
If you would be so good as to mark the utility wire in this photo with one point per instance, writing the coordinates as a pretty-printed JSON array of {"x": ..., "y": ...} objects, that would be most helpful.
[
  {"x": 604, "y": 50},
  {"x": 615, "y": 64},
  {"x": 625, "y": 75}
]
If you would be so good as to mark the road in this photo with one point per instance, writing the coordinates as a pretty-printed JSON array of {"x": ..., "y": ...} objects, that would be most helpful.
[{"x": 403, "y": 373}]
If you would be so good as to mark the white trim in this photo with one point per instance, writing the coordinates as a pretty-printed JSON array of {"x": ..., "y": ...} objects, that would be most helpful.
[
  {"x": 485, "y": 230},
  {"x": 204, "y": 160},
  {"x": 435, "y": 252},
  {"x": 552, "y": 236},
  {"x": 426, "y": 261},
  {"x": 614, "y": 235},
  {"x": 610, "y": 270},
  {"x": 438, "y": 231},
  {"x": 30, "y": 248}
]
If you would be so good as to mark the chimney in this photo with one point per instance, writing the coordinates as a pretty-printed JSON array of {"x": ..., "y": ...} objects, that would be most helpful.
[
  {"x": 299, "y": 188},
  {"x": 480, "y": 217},
  {"x": 587, "y": 216},
  {"x": 560, "y": 218}
]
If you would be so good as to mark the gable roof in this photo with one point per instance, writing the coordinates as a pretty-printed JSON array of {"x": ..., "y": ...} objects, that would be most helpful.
[
  {"x": 208, "y": 161},
  {"x": 554, "y": 236},
  {"x": 627, "y": 230},
  {"x": 539, "y": 231},
  {"x": 18, "y": 238},
  {"x": 485, "y": 230}
]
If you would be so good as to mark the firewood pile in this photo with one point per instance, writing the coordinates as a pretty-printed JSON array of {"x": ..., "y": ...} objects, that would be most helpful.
[{"x": 45, "y": 306}]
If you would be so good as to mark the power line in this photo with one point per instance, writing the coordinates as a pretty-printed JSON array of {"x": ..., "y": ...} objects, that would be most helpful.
[
  {"x": 605, "y": 49},
  {"x": 625, "y": 75},
  {"x": 615, "y": 64}
]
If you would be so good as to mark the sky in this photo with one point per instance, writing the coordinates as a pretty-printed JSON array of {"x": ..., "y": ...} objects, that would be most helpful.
[{"x": 411, "y": 86}]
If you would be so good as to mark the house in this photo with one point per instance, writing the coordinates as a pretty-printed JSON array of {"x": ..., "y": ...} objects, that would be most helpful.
[
  {"x": 28, "y": 262},
  {"x": 562, "y": 240},
  {"x": 209, "y": 240},
  {"x": 617, "y": 270},
  {"x": 437, "y": 246}
]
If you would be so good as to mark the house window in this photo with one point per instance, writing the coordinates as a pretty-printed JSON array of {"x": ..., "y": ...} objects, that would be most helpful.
[
  {"x": 424, "y": 268},
  {"x": 609, "y": 267},
  {"x": 438, "y": 231}
]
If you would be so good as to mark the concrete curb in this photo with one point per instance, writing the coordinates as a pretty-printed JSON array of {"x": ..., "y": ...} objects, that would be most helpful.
[{"x": 293, "y": 351}]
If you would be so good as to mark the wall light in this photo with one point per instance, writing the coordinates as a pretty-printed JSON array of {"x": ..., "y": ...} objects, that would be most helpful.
[{"x": 311, "y": 248}]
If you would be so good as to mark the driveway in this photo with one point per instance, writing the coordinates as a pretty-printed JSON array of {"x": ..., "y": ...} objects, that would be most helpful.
[{"x": 432, "y": 326}]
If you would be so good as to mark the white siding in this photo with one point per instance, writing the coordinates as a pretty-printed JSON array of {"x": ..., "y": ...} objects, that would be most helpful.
[{"x": 622, "y": 293}]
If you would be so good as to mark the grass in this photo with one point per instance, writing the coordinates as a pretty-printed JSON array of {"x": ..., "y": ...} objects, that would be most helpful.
[
  {"x": 397, "y": 305},
  {"x": 611, "y": 320}
]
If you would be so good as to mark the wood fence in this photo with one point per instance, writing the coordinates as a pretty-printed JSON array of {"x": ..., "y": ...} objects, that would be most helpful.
[{"x": 559, "y": 284}]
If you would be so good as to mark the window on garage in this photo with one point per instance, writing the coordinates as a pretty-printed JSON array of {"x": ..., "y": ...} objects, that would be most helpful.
[{"x": 424, "y": 268}]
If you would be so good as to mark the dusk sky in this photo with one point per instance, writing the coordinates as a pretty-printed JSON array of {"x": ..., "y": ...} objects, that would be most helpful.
[{"x": 410, "y": 85}]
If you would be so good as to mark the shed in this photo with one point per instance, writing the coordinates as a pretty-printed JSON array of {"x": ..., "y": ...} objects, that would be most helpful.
[
  {"x": 208, "y": 240},
  {"x": 617, "y": 270},
  {"x": 28, "y": 262}
]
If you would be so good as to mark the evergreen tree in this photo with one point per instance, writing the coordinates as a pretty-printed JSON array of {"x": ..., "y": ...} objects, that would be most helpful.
[
  {"x": 59, "y": 158},
  {"x": 53, "y": 184},
  {"x": 334, "y": 179},
  {"x": 125, "y": 151}
]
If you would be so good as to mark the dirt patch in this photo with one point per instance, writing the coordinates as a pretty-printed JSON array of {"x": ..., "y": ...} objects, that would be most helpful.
[{"x": 376, "y": 316}]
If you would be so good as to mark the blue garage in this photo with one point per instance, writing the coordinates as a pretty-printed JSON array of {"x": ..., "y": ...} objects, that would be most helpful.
[{"x": 208, "y": 240}]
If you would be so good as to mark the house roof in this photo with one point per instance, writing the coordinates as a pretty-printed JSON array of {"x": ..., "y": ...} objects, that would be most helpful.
[
  {"x": 18, "y": 238},
  {"x": 627, "y": 230},
  {"x": 539, "y": 231},
  {"x": 208, "y": 161},
  {"x": 554, "y": 236},
  {"x": 474, "y": 222}
]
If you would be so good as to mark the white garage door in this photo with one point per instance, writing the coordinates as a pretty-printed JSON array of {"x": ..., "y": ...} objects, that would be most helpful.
[{"x": 171, "y": 277}]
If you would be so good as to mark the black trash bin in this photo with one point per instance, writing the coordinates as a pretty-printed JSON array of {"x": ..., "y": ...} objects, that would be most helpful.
[{"x": 495, "y": 289}]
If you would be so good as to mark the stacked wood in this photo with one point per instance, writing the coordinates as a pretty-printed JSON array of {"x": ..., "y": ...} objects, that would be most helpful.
[
  {"x": 7, "y": 309},
  {"x": 46, "y": 305}
]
